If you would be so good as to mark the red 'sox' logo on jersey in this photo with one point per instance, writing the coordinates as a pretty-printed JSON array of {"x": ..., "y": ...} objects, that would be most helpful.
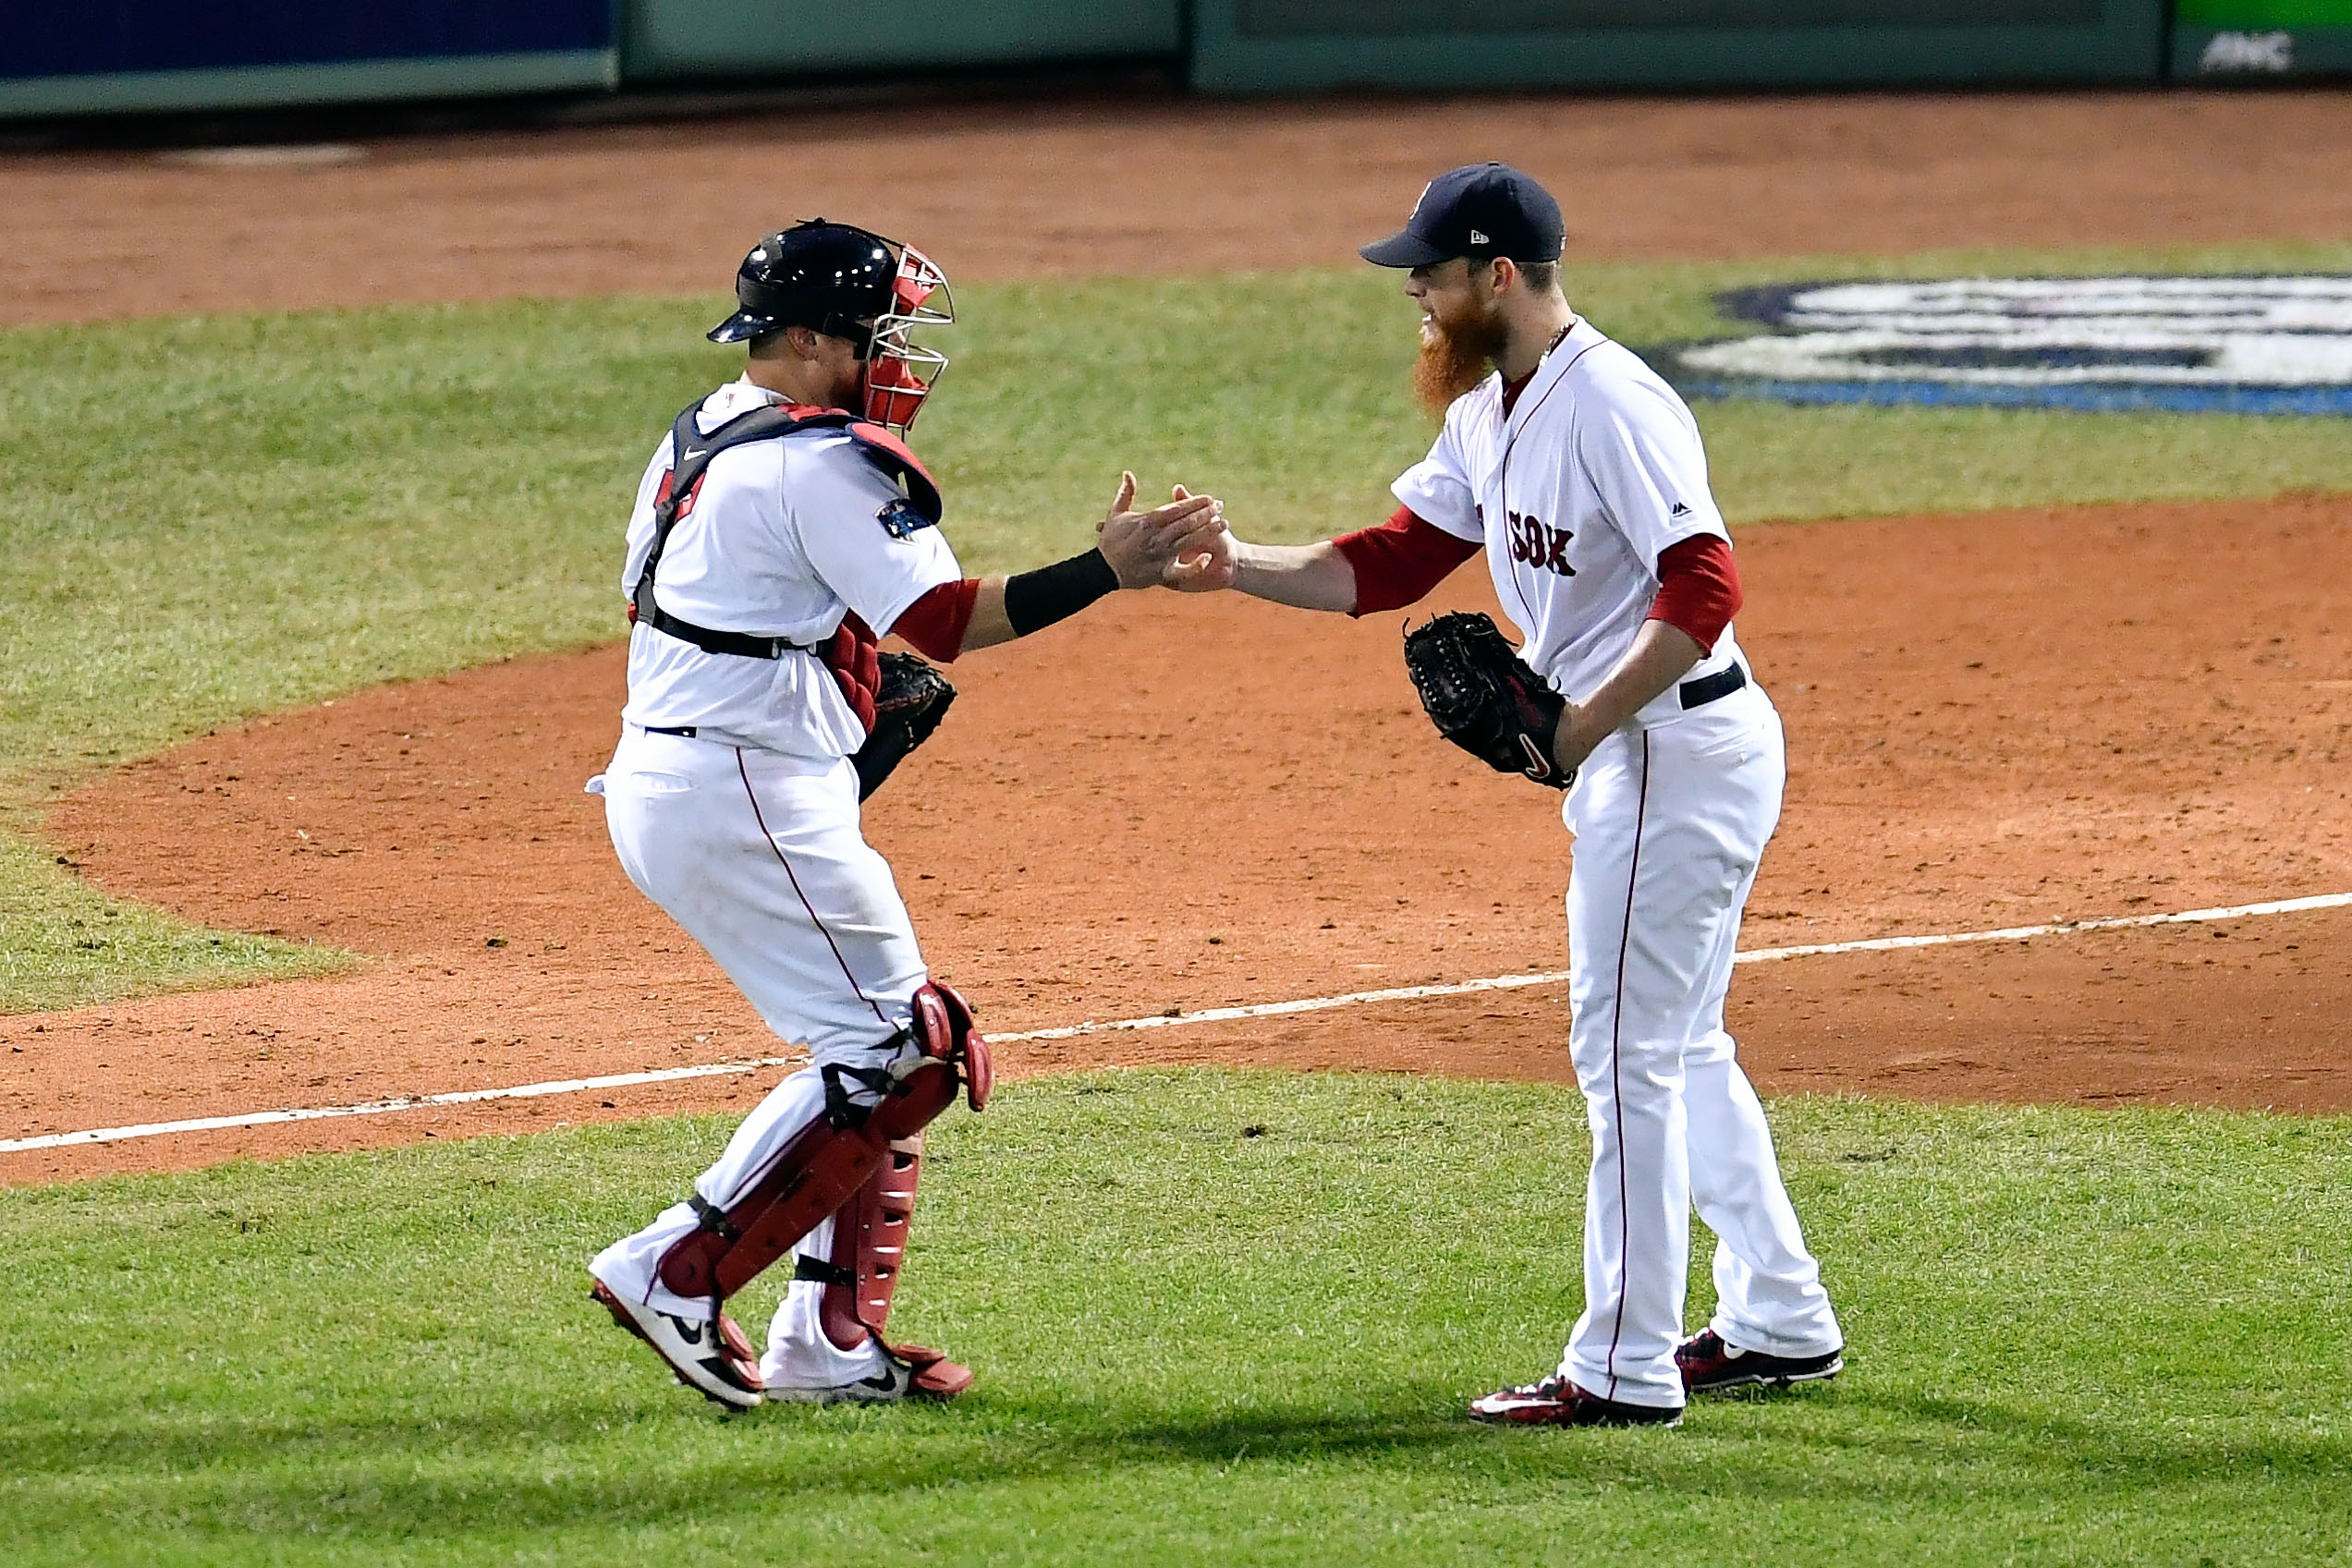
[{"x": 1538, "y": 545}]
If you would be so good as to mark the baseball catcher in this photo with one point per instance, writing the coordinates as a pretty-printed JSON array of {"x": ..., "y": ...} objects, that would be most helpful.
[{"x": 783, "y": 527}]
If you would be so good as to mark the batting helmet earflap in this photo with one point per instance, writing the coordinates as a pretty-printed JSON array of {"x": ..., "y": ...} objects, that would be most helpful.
[{"x": 833, "y": 278}]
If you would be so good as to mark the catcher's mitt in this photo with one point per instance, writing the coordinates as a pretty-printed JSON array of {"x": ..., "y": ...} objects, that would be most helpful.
[
  {"x": 1483, "y": 698},
  {"x": 909, "y": 704}
]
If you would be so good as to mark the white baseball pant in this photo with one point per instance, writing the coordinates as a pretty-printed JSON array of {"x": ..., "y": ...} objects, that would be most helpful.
[
  {"x": 1670, "y": 823},
  {"x": 758, "y": 858}
]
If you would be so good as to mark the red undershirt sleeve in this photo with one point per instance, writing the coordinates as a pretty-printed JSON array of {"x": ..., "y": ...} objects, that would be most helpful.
[
  {"x": 1697, "y": 588},
  {"x": 1397, "y": 563},
  {"x": 934, "y": 625}
]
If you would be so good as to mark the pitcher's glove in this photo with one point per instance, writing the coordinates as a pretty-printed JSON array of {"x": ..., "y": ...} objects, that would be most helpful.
[
  {"x": 909, "y": 704},
  {"x": 1483, "y": 698}
]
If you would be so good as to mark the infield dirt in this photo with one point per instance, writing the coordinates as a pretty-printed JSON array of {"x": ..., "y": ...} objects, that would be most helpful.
[
  {"x": 1996, "y": 719},
  {"x": 2009, "y": 719}
]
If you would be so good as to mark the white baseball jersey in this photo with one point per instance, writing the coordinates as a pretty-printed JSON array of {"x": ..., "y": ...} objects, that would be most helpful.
[
  {"x": 1596, "y": 470},
  {"x": 784, "y": 540}
]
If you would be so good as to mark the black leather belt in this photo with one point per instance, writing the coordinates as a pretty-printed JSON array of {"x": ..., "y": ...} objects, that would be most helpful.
[
  {"x": 688, "y": 730},
  {"x": 1723, "y": 683}
]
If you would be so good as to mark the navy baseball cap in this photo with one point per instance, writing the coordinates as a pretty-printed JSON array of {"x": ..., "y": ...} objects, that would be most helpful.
[{"x": 1480, "y": 210}]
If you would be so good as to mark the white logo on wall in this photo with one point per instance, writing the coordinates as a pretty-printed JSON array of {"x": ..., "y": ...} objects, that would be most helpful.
[
  {"x": 2234, "y": 345},
  {"x": 2248, "y": 51}
]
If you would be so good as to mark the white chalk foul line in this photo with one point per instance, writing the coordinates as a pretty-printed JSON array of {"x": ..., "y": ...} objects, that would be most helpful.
[
  {"x": 1157, "y": 1021},
  {"x": 385, "y": 1107}
]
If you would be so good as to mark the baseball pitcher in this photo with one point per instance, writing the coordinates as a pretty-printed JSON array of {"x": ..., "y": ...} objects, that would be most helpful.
[
  {"x": 1581, "y": 475},
  {"x": 783, "y": 527}
]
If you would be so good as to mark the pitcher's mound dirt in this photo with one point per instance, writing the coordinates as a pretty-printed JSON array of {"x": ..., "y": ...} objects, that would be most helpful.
[{"x": 1995, "y": 720}]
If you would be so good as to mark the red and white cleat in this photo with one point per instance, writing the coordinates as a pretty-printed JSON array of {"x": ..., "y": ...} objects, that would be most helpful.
[
  {"x": 1556, "y": 1402},
  {"x": 713, "y": 1358}
]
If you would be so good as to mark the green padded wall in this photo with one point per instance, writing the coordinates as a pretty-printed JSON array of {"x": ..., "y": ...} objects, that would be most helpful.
[
  {"x": 1285, "y": 46},
  {"x": 706, "y": 38}
]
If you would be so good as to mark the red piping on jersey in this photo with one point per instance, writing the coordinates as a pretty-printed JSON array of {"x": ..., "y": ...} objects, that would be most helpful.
[
  {"x": 935, "y": 624},
  {"x": 1397, "y": 563},
  {"x": 1511, "y": 441},
  {"x": 1697, "y": 588}
]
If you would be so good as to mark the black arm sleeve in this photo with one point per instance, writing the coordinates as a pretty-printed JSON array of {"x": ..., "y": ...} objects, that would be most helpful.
[{"x": 1034, "y": 600}]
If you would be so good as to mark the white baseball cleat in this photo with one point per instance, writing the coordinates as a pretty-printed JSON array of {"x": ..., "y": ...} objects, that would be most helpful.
[
  {"x": 907, "y": 1371},
  {"x": 710, "y": 1357}
]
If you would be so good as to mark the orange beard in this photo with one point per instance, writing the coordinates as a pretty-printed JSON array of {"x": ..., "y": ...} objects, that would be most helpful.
[{"x": 1455, "y": 356}]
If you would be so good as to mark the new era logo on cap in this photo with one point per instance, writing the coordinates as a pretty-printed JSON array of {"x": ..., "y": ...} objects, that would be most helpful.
[{"x": 1479, "y": 239}]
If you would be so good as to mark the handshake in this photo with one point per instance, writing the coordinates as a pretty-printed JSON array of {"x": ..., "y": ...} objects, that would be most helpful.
[{"x": 1184, "y": 545}]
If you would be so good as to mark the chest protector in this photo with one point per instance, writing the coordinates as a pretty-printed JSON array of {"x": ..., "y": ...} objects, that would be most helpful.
[{"x": 849, "y": 653}]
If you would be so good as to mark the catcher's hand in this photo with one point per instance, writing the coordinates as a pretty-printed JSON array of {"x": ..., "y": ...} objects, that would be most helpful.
[
  {"x": 909, "y": 704},
  {"x": 1483, "y": 698}
]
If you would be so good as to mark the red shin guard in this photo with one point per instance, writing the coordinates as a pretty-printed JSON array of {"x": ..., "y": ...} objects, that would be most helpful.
[
  {"x": 868, "y": 1245},
  {"x": 823, "y": 1165}
]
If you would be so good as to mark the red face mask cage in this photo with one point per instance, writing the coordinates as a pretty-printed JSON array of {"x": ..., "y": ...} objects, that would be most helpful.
[{"x": 900, "y": 373}]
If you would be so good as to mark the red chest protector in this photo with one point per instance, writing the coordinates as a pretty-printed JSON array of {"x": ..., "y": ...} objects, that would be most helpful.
[{"x": 850, "y": 653}]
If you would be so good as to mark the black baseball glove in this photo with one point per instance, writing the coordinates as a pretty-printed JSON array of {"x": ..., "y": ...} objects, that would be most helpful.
[
  {"x": 1483, "y": 698},
  {"x": 909, "y": 704}
]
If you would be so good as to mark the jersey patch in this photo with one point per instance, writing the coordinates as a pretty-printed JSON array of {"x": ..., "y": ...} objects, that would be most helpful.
[{"x": 901, "y": 519}]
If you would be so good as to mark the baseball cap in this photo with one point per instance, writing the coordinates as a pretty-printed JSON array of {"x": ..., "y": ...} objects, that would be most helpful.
[{"x": 1480, "y": 210}]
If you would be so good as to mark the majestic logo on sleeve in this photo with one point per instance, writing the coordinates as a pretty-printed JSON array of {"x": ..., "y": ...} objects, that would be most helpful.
[
  {"x": 1538, "y": 545},
  {"x": 2242, "y": 345}
]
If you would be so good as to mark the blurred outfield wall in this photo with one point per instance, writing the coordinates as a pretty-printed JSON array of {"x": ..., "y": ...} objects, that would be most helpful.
[
  {"x": 114, "y": 57},
  {"x": 2220, "y": 39},
  {"x": 119, "y": 56}
]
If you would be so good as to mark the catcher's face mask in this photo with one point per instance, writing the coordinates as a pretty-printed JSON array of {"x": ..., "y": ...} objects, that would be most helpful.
[{"x": 899, "y": 372}]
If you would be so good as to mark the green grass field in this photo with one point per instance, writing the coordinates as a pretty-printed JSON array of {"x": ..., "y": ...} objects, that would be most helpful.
[
  {"x": 217, "y": 517},
  {"x": 2076, "y": 1337},
  {"x": 1219, "y": 1318}
]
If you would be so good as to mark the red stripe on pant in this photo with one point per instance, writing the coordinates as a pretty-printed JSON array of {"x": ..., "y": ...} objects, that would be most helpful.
[{"x": 1616, "y": 1092}]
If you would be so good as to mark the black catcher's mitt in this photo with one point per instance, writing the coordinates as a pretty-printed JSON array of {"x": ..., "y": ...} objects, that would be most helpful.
[
  {"x": 1483, "y": 698},
  {"x": 909, "y": 704}
]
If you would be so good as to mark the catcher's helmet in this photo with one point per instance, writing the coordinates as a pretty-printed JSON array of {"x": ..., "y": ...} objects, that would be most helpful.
[
  {"x": 832, "y": 278},
  {"x": 849, "y": 283}
]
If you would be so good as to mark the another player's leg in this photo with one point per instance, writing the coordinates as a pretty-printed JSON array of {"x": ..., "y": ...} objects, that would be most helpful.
[
  {"x": 1618, "y": 1368},
  {"x": 1773, "y": 1325}
]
